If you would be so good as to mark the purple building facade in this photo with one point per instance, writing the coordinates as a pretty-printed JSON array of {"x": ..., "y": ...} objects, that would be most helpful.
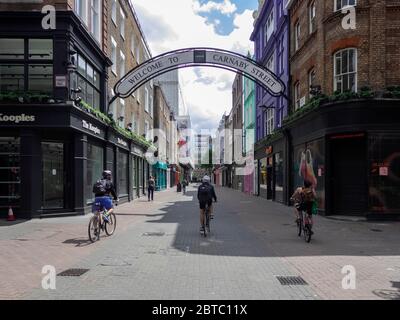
[{"x": 271, "y": 47}]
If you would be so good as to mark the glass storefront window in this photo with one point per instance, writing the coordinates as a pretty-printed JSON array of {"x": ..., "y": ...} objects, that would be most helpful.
[
  {"x": 279, "y": 177},
  {"x": 11, "y": 78},
  {"x": 30, "y": 69},
  {"x": 263, "y": 174},
  {"x": 41, "y": 49},
  {"x": 41, "y": 78},
  {"x": 384, "y": 181},
  {"x": 12, "y": 49},
  {"x": 10, "y": 180},
  {"x": 122, "y": 173},
  {"x": 95, "y": 167}
]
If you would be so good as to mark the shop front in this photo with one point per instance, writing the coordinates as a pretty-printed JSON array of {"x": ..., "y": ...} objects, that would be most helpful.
[
  {"x": 271, "y": 170},
  {"x": 160, "y": 173},
  {"x": 350, "y": 153}
]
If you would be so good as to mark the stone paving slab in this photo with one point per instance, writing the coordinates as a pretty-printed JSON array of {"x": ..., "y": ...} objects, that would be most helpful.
[{"x": 158, "y": 253}]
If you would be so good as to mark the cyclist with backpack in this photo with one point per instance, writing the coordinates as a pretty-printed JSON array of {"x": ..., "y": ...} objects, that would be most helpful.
[
  {"x": 103, "y": 190},
  {"x": 304, "y": 198},
  {"x": 205, "y": 195}
]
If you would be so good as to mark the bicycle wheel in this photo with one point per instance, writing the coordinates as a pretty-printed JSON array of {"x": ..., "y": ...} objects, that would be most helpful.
[
  {"x": 307, "y": 233},
  {"x": 94, "y": 229},
  {"x": 299, "y": 226},
  {"x": 208, "y": 220},
  {"x": 112, "y": 225}
]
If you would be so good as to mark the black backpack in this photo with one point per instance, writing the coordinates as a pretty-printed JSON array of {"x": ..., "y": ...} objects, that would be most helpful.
[
  {"x": 100, "y": 187},
  {"x": 204, "y": 192}
]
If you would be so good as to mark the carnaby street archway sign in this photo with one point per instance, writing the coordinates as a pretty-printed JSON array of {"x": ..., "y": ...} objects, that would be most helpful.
[{"x": 193, "y": 57}]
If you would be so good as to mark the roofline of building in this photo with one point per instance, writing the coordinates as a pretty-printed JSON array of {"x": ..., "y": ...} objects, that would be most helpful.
[{"x": 135, "y": 17}]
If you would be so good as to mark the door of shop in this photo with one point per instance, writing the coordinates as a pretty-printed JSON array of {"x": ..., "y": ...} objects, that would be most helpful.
[
  {"x": 53, "y": 175},
  {"x": 349, "y": 175}
]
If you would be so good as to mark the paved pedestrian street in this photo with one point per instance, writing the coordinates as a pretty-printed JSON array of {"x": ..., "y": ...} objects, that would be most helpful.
[{"x": 157, "y": 252}]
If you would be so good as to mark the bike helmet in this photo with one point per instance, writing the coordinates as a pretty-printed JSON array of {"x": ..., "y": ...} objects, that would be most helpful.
[
  {"x": 107, "y": 174},
  {"x": 206, "y": 179}
]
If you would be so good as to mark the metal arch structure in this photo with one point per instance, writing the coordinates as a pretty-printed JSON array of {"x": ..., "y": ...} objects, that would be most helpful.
[{"x": 199, "y": 57}]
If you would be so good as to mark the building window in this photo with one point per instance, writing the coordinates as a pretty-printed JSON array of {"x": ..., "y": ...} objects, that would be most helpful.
[
  {"x": 312, "y": 15},
  {"x": 146, "y": 130},
  {"x": 81, "y": 10},
  {"x": 297, "y": 33},
  {"x": 26, "y": 61},
  {"x": 122, "y": 24},
  {"x": 311, "y": 79},
  {"x": 270, "y": 63},
  {"x": 146, "y": 100},
  {"x": 340, "y": 4},
  {"x": 297, "y": 95},
  {"x": 133, "y": 44},
  {"x": 151, "y": 105},
  {"x": 88, "y": 79},
  {"x": 95, "y": 25},
  {"x": 114, "y": 11},
  {"x": 138, "y": 54},
  {"x": 270, "y": 120},
  {"x": 345, "y": 66},
  {"x": 122, "y": 64},
  {"x": 269, "y": 26},
  {"x": 114, "y": 55}
]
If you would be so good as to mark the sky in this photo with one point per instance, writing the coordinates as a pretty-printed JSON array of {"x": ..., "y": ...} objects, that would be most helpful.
[{"x": 177, "y": 24}]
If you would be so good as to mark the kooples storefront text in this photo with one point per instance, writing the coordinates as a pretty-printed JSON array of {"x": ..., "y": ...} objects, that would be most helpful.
[{"x": 16, "y": 118}]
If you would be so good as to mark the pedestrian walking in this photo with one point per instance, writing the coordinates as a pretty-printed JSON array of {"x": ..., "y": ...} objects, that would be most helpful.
[
  {"x": 150, "y": 189},
  {"x": 184, "y": 185}
]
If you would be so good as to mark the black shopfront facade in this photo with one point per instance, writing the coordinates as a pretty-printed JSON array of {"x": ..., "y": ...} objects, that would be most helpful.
[
  {"x": 52, "y": 149},
  {"x": 51, "y": 161},
  {"x": 349, "y": 151}
]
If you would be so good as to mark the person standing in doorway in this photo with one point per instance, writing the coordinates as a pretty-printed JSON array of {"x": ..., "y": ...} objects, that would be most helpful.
[{"x": 150, "y": 190}]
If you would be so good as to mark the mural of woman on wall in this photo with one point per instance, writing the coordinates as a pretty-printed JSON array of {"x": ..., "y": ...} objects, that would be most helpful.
[{"x": 306, "y": 169}]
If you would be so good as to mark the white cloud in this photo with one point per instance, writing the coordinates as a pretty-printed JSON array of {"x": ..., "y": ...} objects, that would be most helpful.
[
  {"x": 208, "y": 92},
  {"x": 226, "y": 7}
]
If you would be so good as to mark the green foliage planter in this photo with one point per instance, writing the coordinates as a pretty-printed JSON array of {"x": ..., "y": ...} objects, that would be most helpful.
[
  {"x": 110, "y": 121},
  {"x": 24, "y": 97},
  {"x": 392, "y": 92}
]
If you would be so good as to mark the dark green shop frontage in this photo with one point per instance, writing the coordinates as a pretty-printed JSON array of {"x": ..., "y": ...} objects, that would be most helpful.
[
  {"x": 49, "y": 160},
  {"x": 349, "y": 151}
]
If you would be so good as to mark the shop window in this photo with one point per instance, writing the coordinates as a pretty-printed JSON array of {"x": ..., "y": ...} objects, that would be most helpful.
[
  {"x": 12, "y": 49},
  {"x": 384, "y": 181},
  {"x": 95, "y": 167},
  {"x": 88, "y": 80},
  {"x": 10, "y": 179},
  {"x": 122, "y": 173},
  {"x": 279, "y": 177},
  {"x": 33, "y": 66}
]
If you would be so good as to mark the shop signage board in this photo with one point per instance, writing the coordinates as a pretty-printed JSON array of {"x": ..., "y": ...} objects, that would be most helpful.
[
  {"x": 61, "y": 81},
  {"x": 209, "y": 57},
  {"x": 92, "y": 128},
  {"x": 122, "y": 142}
]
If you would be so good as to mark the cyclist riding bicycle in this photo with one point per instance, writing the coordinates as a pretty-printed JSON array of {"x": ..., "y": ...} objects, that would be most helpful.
[
  {"x": 103, "y": 190},
  {"x": 205, "y": 195},
  {"x": 303, "y": 199}
]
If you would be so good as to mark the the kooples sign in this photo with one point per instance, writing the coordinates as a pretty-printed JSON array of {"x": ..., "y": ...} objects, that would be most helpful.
[
  {"x": 17, "y": 118},
  {"x": 122, "y": 142},
  {"x": 90, "y": 127}
]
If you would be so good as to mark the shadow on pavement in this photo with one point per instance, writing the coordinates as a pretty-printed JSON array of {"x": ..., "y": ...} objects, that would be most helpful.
[
  {"x": 79, "y": 242},
  {"x": 260, "y": 228},
  {"x": 5, "y": 223}
]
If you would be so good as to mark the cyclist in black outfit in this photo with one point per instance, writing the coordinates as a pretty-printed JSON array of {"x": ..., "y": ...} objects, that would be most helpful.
[
  {"x": 205, "y": 195},
  {"x": 103, "y": 190}
]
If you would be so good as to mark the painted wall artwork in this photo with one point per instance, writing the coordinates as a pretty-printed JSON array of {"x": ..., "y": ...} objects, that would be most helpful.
[{"x": 309, "y": 165}]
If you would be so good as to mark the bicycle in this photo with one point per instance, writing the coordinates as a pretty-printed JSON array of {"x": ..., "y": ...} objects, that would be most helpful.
[
  {"x": 108, "y": 223},
  {"x": 305, "y": 226},
  {"x": 206, "y": 228}
]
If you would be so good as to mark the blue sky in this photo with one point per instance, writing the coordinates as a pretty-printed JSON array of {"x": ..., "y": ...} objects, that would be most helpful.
[{"x": 226, "y": 22}]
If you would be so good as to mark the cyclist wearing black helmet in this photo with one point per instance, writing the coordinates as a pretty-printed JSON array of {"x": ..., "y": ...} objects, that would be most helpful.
[{"x": 103, "y": 190}]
